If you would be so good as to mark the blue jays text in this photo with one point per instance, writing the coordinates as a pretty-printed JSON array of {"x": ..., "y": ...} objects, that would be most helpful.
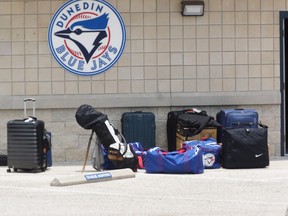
[{"x": 94, "y": 65}]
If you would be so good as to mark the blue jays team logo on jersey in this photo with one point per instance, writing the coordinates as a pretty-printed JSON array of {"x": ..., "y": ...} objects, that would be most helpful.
[{"x": 86, "y": 37}]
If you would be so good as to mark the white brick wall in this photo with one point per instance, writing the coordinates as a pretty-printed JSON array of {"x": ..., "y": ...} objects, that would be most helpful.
[{"x": 229, "y": 56}]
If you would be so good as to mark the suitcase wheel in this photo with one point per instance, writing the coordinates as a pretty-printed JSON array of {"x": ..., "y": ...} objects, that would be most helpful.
[{"x": 14, "y": 170}]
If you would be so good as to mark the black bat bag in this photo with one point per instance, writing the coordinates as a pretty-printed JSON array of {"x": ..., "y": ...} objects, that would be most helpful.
[{"x": 89, "y": 118}]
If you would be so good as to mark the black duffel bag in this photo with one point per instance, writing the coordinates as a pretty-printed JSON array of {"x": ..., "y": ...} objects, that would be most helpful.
[
  {"x": 245, "y": 147},
  {"x": 196, "y": 122}
]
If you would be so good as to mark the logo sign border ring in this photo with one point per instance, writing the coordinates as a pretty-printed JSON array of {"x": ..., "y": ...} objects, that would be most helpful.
[{"x": 72, "y": 70}]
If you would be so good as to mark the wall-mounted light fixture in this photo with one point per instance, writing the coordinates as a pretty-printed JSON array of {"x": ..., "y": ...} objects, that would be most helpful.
[{"x": 192, "y": 8}]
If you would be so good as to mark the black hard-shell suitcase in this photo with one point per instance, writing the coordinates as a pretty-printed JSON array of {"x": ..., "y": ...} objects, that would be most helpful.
[
  {"x": 139, "y": 127},
  {"x": 26, "y": 148}
]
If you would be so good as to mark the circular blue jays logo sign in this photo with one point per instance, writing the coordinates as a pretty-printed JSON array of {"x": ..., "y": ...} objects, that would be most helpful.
[{"x": 86, "y": 37}]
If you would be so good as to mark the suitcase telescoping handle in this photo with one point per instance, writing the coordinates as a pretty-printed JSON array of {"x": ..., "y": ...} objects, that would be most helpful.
[{"x": 25, "y": 106}]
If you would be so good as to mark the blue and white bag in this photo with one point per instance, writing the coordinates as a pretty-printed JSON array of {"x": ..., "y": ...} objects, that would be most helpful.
[
  {"x": 211, "y": 151},
  {"x": 140, "y": 152},
  {"x": 183, "y": 161}
]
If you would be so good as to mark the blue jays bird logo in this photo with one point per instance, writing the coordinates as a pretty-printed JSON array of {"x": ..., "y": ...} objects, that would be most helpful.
[
  {"x": 86, "y": 37},
  {"x": 209, "y": 159}
]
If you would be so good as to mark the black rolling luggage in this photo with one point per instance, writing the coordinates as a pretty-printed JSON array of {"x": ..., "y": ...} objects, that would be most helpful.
[
  {"x": 193, "y": 119},
  {"x": 171, "y": 128},
  {"x": 26, "y": 147}
]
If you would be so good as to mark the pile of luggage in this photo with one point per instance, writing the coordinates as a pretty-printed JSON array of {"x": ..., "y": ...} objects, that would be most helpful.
[
  {"x": 196, "y": 141},
  {"x": 236, "y": 138}
]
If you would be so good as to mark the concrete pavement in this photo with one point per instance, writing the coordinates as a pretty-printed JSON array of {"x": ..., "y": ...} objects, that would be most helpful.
[{"x": 248, "y": 192}]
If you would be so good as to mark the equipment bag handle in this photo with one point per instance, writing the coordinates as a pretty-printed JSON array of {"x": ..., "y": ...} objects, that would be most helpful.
[
  {"x": 262, "y": 125},
  {"x": 25, "y": 106}
]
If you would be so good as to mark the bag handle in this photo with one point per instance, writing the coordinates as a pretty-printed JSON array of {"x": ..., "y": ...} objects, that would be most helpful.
[
  {"x": 179, "y": 151},
  {"x": 196, "y": 111},
  {"x": 262, "y": 125},
  {"x": 33, "y": 107}
]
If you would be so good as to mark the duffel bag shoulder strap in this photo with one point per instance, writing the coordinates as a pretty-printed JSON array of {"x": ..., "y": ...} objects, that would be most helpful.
[{"x": 204, "y": 123}]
